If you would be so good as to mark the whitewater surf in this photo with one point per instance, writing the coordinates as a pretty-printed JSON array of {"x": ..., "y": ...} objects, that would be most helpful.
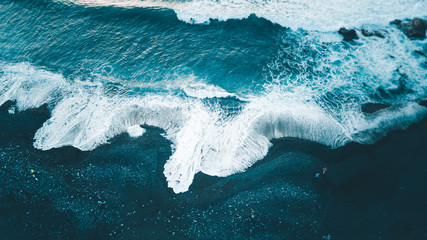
[{"x": 222, "y": 81}]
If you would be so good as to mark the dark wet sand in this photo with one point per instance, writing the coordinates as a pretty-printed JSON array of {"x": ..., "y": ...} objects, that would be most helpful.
[{"x": 369, "y": 192}]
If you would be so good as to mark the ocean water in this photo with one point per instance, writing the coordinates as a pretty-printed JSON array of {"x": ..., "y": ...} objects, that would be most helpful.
[{"x": 187, "y": 116}]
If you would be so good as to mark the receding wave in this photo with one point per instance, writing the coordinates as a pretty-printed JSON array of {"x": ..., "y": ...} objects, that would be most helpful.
[{"x": 319, "y": 15}]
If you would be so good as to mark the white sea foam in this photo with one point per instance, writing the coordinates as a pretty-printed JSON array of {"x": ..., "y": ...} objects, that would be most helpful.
[
  {"x": 135, "y": 131},
  {"x": 205, "y": 91},
  {"x": 29, "y": 87},
  {"x": 85, "y": 121},
  {"x": 322, "y": 15},
  {"x": 189, "y": 84},
  {"x": 316, "y": 97}
]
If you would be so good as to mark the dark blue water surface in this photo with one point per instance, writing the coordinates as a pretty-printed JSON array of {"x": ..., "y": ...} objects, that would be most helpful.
[
  {"x": 142, "y": 45},
  {"x": 119, "y": 190}
]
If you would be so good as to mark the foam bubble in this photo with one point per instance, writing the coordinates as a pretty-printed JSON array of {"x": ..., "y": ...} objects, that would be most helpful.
[
  {"x": 135, "y": 131},
  {"x": 12, "y": 110}
]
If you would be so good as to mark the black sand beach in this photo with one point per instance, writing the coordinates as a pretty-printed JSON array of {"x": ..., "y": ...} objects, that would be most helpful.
[{"x": 368, "y": 192}]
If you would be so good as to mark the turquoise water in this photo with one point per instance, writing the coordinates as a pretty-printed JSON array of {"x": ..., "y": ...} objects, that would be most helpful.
[
  {"x": 199, "y": 90},
  {"x": 221, "y": 90}
]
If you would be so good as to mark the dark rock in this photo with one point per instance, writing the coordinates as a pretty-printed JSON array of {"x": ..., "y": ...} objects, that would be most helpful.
[
  {"x": 396, "y": 22},
  {"x": 373, "y": 107},
  {"x": 370, "y": 33},
  {"x": 415, "y": 28},
  {"x": 420, "y": 53},
  {"x": 423, "y": 103},
  {"x": 348, "y": 34}
]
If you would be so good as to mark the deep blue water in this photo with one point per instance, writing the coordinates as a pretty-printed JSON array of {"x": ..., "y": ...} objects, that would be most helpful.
[
  {"x": 184, "y": 117},
  {"x": 138, "y": 44}
]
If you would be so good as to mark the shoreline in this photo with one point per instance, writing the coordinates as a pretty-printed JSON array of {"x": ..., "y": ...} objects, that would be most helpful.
[{"x": 379, "y": 184}]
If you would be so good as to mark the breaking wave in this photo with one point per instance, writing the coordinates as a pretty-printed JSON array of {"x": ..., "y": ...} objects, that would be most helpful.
[
  {"x": 319, "y": 15},
  {"x": 315, "y": 88}
]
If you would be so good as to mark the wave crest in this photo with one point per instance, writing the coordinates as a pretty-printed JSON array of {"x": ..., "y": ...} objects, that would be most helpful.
[
  {"x": 315, "y": 91},
  {"x": 319, "y": 15}
]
